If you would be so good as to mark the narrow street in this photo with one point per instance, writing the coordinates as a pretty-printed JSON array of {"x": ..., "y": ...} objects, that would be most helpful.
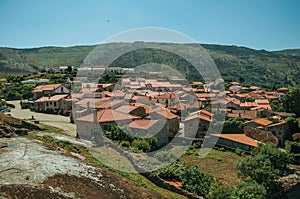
[{"x": 58, "y": 121}]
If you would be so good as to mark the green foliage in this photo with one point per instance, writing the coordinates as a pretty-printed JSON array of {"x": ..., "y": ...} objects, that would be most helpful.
[
  {"x": 277, "y": 106},
  {"x": 125, "y": 144},
  {"x": 265, "y": 167},
  {"x": 250, "y": 99},
  {"x": 141, "y": 145},
  {"x": 259, "y": 67},
  {"x": 192, "y": 178},
  {"x": 175, "y": 171},
  {"x": 129, "y": 140},
  {"x": 291, "y": 102},
  {"x": 165, "y": 156},
  {"x": 293, "y": 124},
  {"x": 195, "y": 181},
  {"x": 274, "y": 120},
  {"x": 250, "y": 190},
  {"x": 218, "y": 191},
  {"x": 234, "y": 125},
  {"x": 2, "y": 103},
  {"x": 293, "y": 148}
]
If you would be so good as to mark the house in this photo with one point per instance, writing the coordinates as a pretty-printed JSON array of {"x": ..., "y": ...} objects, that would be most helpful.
[
  {"x": 128, "y": 70},
  {"x": 171, "y": 120},
  {"x": 280, "y": 130},
  {"x": 167, "y": 99},
  {"x": 105, "y": 87},
  {"x": 197, "y": 124},
  {"x": 258, "y": 122},
  {"x": 103, "y": 119},
  {"x": 66, "y": 69},
  {"x": 234, "y": 141},
  {"x": 143, "y": 128},
  {"x": 35, "y": 81},
  {"x": 283, "y": 90},
  {"x": 246, "y": 114},
  {"x": 263, "y": 103},
  {"x": 85, "y": 71},
  {"x": 114, "y": 70},
  {"x": 132, "y": 110},
  {"x": 52, "y": 104},
  {"x": 49, "y": 89}
]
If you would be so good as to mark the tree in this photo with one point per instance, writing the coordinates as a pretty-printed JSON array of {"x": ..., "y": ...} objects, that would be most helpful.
[
  {"x": 250, "y": 190},
  {"x": 195, "y": 181},
  {"x": 293, "y": 124},
  {"x": 277, "y": 106},
  {"x": 219, "y": 191},
  {"x": 234, "y": 125},
  {"x": 241, "y": 80},
  {"x": 265, "y": 168},
  {"x": 142, "y": 145},
  {"x": 291, "y": 102}
]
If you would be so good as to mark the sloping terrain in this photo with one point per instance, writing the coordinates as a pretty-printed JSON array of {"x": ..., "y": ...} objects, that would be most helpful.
[{"x": 31, "y": 169}]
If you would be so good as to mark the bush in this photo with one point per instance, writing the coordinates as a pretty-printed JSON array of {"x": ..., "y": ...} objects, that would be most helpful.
[
  {"x": 218, "y": 191},
  {"x": 125, "y": 144},
  {"x": 195, "y": 181},
  {"x": 165, "y": 156},
  {"x": 250, "y": 190},
  {"x": 142, "y": 145}
]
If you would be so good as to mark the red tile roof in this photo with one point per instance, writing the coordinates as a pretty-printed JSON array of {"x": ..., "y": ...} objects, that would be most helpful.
[
  {"x": 142, "y": 124},
  {"x": 53, "y": 98},
  {"x": 48, "y": 87},
  {"x": 167, "y": 114},
  {"x": 126, "y": 109},
  {"x": 167, "y": 96},
  {"x": 283, "y": 89},
  {"x": 241, "y": 138},
  {"x": 107, "y": 115},
  {"x": 262, "y": 121}
]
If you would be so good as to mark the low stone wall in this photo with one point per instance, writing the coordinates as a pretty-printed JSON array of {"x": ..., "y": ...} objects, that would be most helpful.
[
  {"x": 162, "y": 183},
  {"x": 152, "y": 177}
]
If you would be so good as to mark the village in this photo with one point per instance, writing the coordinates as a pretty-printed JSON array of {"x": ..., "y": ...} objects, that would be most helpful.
[{"x": 165, "y": 107}]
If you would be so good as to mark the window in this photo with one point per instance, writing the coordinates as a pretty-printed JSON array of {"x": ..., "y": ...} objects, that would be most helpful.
[
  {"x": 54, "y": 103},
  {"x": 61, "y": 89}
]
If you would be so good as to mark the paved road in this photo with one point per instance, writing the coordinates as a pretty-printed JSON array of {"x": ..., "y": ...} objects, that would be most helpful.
[{"x": 58, "y": 121}]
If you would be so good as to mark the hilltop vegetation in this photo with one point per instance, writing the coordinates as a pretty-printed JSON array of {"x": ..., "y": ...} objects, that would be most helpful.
[{"x": 263, "y": 68}]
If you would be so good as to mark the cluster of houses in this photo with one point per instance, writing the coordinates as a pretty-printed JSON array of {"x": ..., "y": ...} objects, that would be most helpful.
[{"x": 163, "y": 108}]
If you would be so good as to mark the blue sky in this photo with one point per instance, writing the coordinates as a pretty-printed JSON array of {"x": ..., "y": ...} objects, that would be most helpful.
[{"x": 259, "y": 24}]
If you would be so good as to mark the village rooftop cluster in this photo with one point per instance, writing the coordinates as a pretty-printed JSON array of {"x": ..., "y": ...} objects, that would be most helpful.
[{"x": 163, "y": 108}]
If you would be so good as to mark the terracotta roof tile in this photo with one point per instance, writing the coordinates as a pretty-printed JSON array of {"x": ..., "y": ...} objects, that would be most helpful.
[
  {"x": 142, "y": 124},
  {"x": 53, "y": 98},
  {"x": 48, "y": 87},
  {"x": 262, "y": 121},
  {"x": 241, "y": 138},
  {"x": 107, "y": 115}
]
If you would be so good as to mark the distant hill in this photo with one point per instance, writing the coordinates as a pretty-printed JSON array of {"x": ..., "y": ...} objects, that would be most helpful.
[{"x": 259, "y": 67}]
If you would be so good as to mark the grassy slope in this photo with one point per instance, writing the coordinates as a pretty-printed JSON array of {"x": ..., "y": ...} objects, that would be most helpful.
[
  {"x": 268, "y": 69},
  {"x": 218, "y": 164}
]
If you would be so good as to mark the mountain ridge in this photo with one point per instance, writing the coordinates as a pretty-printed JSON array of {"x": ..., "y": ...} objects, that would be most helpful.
[{"x": 264, "y": 68}]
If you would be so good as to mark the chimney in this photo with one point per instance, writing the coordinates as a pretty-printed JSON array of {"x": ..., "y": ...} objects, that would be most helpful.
[
  {"x": 88, "y": 105},
  {"x": 95, "y": 120}
]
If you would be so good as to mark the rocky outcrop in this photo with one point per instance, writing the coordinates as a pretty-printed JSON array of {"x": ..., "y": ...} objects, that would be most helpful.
[{"x": 6, "y": 131}]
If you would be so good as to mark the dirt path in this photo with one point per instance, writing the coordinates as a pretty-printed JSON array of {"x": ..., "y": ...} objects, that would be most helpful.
[{"x": 58, "y": 121}]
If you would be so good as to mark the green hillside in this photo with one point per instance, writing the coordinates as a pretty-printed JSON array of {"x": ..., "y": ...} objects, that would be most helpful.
[{"x": 259, "y": 67}]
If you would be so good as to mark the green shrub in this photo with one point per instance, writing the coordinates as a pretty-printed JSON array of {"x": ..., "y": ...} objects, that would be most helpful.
[{"x": 142, "y": 145}]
